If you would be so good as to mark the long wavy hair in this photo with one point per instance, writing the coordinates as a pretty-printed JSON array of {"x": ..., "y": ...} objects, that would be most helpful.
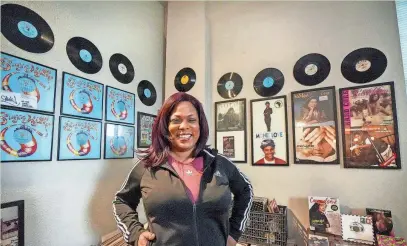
[{"x": 159, "y": 149}]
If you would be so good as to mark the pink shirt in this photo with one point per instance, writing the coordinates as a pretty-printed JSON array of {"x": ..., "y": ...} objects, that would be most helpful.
[{"x": 191, "y": 174}]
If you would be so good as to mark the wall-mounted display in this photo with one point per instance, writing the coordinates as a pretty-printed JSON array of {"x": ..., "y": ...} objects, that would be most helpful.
[
  {"x": 12, "y": 223},
  {"x": 27, "y": 85},
  {"x": 84, "y": 55},
  {"x": 369, "y": 127},
  {"x": 268, "y": 82},
  {"x": 230, "y": 123},
  {"x": 79, "y": 139},
  {"x": 119, "y": 106},
  {"x": 119, "y": 141},
  {"x": 230, "y": 85},
  {"x": 146, "y": 93},
  {"x": 121, "y": 68},
  {"x": 26, "y": 136},
  {"x": 144, "y": 129},
  {"x": 185, "y": 79},
  {"x": 81, "y": 97},
  {"x": 269, "y": 131},
  {"x": 311, "y": 69},
  {"x": 315, "y": 126}
]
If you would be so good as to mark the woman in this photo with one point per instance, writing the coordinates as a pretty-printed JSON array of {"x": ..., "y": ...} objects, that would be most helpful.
[
  {"x": 318, "y": 218},
  {"x": 311, "y": 113},
  {"x": 186, "y": 188}
]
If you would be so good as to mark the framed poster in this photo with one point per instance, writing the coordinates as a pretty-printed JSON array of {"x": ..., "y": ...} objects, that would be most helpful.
[
  {"x": 79, "y": 139},
  {"x": 120, "y": 106},
  {"x": 315, "y": 126},
  {"x": 12, "y": 223},
  {"x": 144, "y": 129},
  {"x": 269, "y": 131},
  {"x": 26, "y": 136},
  {"x": 119, "y": 141},
  {"x": 230, "y": 123},
  {"x": 27, "y": 85},
  {"x": 81, "y": 97},
  {"x": 369, "y": 127}
]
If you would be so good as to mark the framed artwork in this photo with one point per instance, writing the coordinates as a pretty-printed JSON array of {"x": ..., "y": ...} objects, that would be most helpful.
[
  {"x": 144, "y": 129},
  {"x": 269, "y": 131},
  {"x": 26, "y": 136},
  {"x": 12, "y": 223},
  {"x": 120, "y": 106},
  {"x": 369, "y": 127},
  {"x": 27, "y": 85},
  {"x": 79, "y": 139},
  {"x": 315, "y": 126},
  {"x": 81, "y": 97},
  {"x": 119, "y": 141},
  {"x": 230, "y": 129}
]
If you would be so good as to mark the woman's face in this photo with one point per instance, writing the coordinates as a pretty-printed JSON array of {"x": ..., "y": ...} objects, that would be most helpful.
[
  {"x": 312, "y": 103},
  {"x": 322, "y": 207},
  {"x": 184, "y": 127}
]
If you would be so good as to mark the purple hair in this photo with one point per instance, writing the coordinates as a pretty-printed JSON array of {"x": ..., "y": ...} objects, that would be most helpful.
[{"x": 157, "y": 153}]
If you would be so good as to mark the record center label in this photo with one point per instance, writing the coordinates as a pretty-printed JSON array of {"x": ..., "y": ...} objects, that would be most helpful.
[
  {"x": 147, "y": 93},
  {"x": 229, "y": 85},
  {"x": 85, "y": 55},
  {"x": 363, "y": 65},
  {"x": 311, "y": 69},
  {"x": 122, "y": 68},
  {"x": 184, "y": 79},
  {"x": 27, "y": 29},
  {"x": 268, "y": 82}
]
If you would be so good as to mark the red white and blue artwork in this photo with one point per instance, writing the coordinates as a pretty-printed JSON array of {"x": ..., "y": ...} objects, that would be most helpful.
[
  {"x": 119, "y": 141},
  {"x": 120, "y": 106},
  {"x": 25, "y": 136}
]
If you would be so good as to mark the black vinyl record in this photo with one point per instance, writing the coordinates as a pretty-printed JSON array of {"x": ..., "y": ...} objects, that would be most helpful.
[
  {"x": 84, "y": 55},
  {"x": 364, "y": 65},
  {"x": 268, "y": 82},
  {"x": 230, "y": 85},
  {"x": 185, "y": 79},
  {"x": 121, "y": 68},
  {"x": 312, "y": 69},
  {"x": 146, "y": 92},
  {"x": 26, "y": 29}
]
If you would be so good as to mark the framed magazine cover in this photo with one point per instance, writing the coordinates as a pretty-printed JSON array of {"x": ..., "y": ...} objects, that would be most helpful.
[
  {"x": 230, "y": 129},
  {"x": 119, "y": 141},
  {"x": 79, "y": 139},
  {"x": 12, "y": 223},
  {"x": 144, "y": 129},
  {"x": 369, "y": 127},
  {"x": 27, "y": 85},
  {"x": 269, "y": 131},
  {"x": 315, "y": 126},
  {"x": 120, "y": 106},
  {"x": 81, "y": 97},
  {"x": 26, "y": 136}
]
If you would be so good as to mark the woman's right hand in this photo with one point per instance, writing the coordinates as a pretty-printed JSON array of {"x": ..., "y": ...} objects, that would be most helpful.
[{"x": 144, "y": 238}]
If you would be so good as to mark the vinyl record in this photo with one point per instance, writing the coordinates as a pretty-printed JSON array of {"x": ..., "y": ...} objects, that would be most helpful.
[
  {"x": 185, "y": 79},
  {"x": 268, "y": 82},
  {"x": 121, "y": 68},
  {"x": 230, "y": 85},
  {"x": 146, "y": 93},
  {"x": 84, "y": 55},
  {"x": 26, "y": 29},
  {"x": 311, "y": 69},
  {"x": 364, "y": 65}
]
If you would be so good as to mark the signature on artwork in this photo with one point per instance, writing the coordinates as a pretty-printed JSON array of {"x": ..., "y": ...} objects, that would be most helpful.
[{"x": 10, "y": 100}]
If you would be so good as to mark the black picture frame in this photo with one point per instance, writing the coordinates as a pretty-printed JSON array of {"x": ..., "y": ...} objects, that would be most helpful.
[
  {"x": 107, "y": 107},
  {"x": 20, "y": 218},
  {"x": 345, "y": 108},
  {"x": 285, "y": 124},
  {"x": 139, "y": 116},
  {"x": 242, "y": 129},
  {"x": 333, "y": 107},
  {"x": 106, "y": 139},
  {"x": 54, "y": 92}
]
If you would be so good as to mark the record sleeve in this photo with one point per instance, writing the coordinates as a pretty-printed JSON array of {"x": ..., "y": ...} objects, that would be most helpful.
[
  {"x": 324, "y": 215},
  {"x": 357, "y": 229}
]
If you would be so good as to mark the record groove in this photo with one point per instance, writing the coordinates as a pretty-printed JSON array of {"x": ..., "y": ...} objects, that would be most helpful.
[
  {"x": 121, "y": 68},
  {"x": 185, "y": 79},
  {"x": 311, "y": 69},
  {"x": 146, "y": 93},
  {"x": 230, "y": 85},
  {"x": 84, "y": 55},
  {"x": 268, "y": 82}
]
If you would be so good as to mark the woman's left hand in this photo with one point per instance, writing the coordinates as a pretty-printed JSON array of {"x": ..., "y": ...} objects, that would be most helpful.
[{"x": 231, "y": 241}]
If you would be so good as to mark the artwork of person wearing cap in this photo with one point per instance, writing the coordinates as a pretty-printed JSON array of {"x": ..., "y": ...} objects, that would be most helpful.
[
  {"x": 268, "y": 148},
  {"x": 267, "y": 115}
]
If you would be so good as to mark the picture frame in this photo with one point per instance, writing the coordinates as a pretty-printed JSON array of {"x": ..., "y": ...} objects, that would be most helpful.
[
  {"x": 369, "y": 127},
  {"x": 81, "y": 97},
  {"x": 120, "y": 106},
  {"x": 12, "y": 223},
  {"x": 315, "y": 126},
  {"x": 119, "y": 141},
  {"x": 79, "y": 139},
  {"x": 145, "y": 123},
  {"x": 230, "y": 121},
  {"x": 26, "y": 136},
  {"x": 27, "y": 85},
  {"x": 269, "y": 131}
]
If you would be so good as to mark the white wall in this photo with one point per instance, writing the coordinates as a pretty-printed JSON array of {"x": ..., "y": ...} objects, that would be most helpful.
[{"x": 69, "y": 203}]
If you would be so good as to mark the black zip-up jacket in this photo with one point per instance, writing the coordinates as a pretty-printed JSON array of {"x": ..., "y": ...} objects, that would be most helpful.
[{"x": 172, "y": 216}]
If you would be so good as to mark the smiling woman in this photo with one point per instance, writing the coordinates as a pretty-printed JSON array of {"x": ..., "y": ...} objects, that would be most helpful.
[{"x": 186, "y": 187}]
